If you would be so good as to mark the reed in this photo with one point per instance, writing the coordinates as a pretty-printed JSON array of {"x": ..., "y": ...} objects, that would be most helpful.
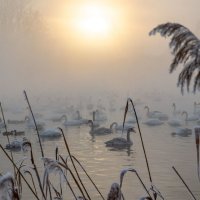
[
  {"x": 184, "y": 182},
  {"x": 36, "y": 127}
]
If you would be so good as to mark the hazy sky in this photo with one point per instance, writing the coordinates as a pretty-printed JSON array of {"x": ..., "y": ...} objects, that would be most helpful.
[{"x": 79, "y": 55}]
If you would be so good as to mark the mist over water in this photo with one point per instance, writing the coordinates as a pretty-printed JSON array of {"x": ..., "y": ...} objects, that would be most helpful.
[{"x": 59, "y": 71}]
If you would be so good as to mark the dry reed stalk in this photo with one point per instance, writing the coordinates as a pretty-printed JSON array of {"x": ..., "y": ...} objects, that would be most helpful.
[
  {"x": 7, "y": 136},
  {"x": 67, "y": 147},
  {"x": 184, "y": 183},
  {"x": 36, "y": 196},
  {"x": 26, "y": 98}
]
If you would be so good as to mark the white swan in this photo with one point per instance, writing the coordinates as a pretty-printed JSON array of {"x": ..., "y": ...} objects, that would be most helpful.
[
  {"x": 72, "y": 122},
  {"x": 100, "y": 130},
  {"x": 191, "y": 117},
  {"x": 16, "y": 145},
  {"x": 50, "y": 133},
  {"x": 175, "y": 111},
  {"x": 117, "y": 127},
  {"x": 156, "y": 114},
  {"x": 151, "y": 114},
  {"x": 153, "y": 122},
  {"x": 30, "y": 123},
  {"x": 120, "y": 142},
  {"x": 100, "y": 116},
  {"x": 78, "y": 117},
  {"x": 174, "y": 122},
  {"x": 57, "y": 118},
  {"x": 184, "y": 132}
]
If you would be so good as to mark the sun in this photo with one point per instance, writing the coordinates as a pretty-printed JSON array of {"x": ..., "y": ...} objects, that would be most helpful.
[{"x": 94, "y": 20}]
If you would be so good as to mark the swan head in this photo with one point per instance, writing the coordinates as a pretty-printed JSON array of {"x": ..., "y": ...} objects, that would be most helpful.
[{"x": 131, "y": 130}]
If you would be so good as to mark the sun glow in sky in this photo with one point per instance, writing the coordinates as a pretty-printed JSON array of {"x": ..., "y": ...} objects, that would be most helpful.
[{"x": 92, "y": 23}]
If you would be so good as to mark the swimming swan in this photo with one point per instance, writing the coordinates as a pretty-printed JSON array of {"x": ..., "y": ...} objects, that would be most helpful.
[
  {"x": 121, "y": 142},
  {"x": 100, "y": 130}
]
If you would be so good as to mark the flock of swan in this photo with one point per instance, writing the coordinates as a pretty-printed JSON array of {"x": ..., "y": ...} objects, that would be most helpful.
[{"x": 178, "y": 119}]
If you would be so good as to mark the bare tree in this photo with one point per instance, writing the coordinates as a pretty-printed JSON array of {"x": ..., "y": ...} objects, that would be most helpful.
[{"x": 186, "y": 50}]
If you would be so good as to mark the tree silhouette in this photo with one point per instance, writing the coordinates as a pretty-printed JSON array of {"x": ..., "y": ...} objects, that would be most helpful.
[{"x": 186, "y": 50}]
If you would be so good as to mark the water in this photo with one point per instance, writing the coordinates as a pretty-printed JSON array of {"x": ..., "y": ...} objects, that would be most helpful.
[{"x": 105, "y": 164}]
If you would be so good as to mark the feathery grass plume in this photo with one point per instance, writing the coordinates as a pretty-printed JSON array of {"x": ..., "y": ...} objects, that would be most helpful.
[
  {"x": 186, "y": 50},
  {"x": 124, "y": 171},
  {"x": 26, "y": 97},
  {"x": 197, "y": 133},
  {"x": 184, "y": 183},
  {"x": 8, "y": 190}
]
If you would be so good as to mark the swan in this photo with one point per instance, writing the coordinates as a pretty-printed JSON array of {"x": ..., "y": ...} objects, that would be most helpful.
[
  {"x": 100, "y": 116},
  {"x": 120, "y": 127},
  {"x": 100, "y": 130},
  {"x": 16, "y": 145},
  {"x": 30, "y": 123},
  {"x": 78, "y": 117},
  {"x": 196, "y": 109},
  {"x": 175, "y": 112},
  {"x": 174, "y": 122},
  {"x": 182, "y": 132},
  {"x": 156, "y": 114},
  {"x": 72, "y": 122},
  {"x": 191, "y": 117},
  {"x": 57, "y": 118},
  {"x": 151, "y": 114},
  {"x": 51, "y": 133},
  {"x": 153, "y": 122},
  {"x": 121, "y": 142}
]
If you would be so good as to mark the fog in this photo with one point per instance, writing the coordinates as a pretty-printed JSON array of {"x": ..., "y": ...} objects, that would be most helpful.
[{"x": 40, "y": 56}]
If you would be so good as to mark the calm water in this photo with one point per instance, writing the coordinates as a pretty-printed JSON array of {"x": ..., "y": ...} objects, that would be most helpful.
[{"x": 104, "y": 164}]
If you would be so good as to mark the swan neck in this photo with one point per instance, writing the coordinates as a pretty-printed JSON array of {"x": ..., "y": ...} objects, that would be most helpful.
[
  {"x": 114, "y": 124},
  {"x": 128, "y": 136}
]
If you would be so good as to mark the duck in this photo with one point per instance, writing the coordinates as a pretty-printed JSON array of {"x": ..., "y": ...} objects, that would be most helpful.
[
  {"x": 100, "y": 130},
  {"x": 120, "y": 142},
  {"x": 50, "y": 133}
]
